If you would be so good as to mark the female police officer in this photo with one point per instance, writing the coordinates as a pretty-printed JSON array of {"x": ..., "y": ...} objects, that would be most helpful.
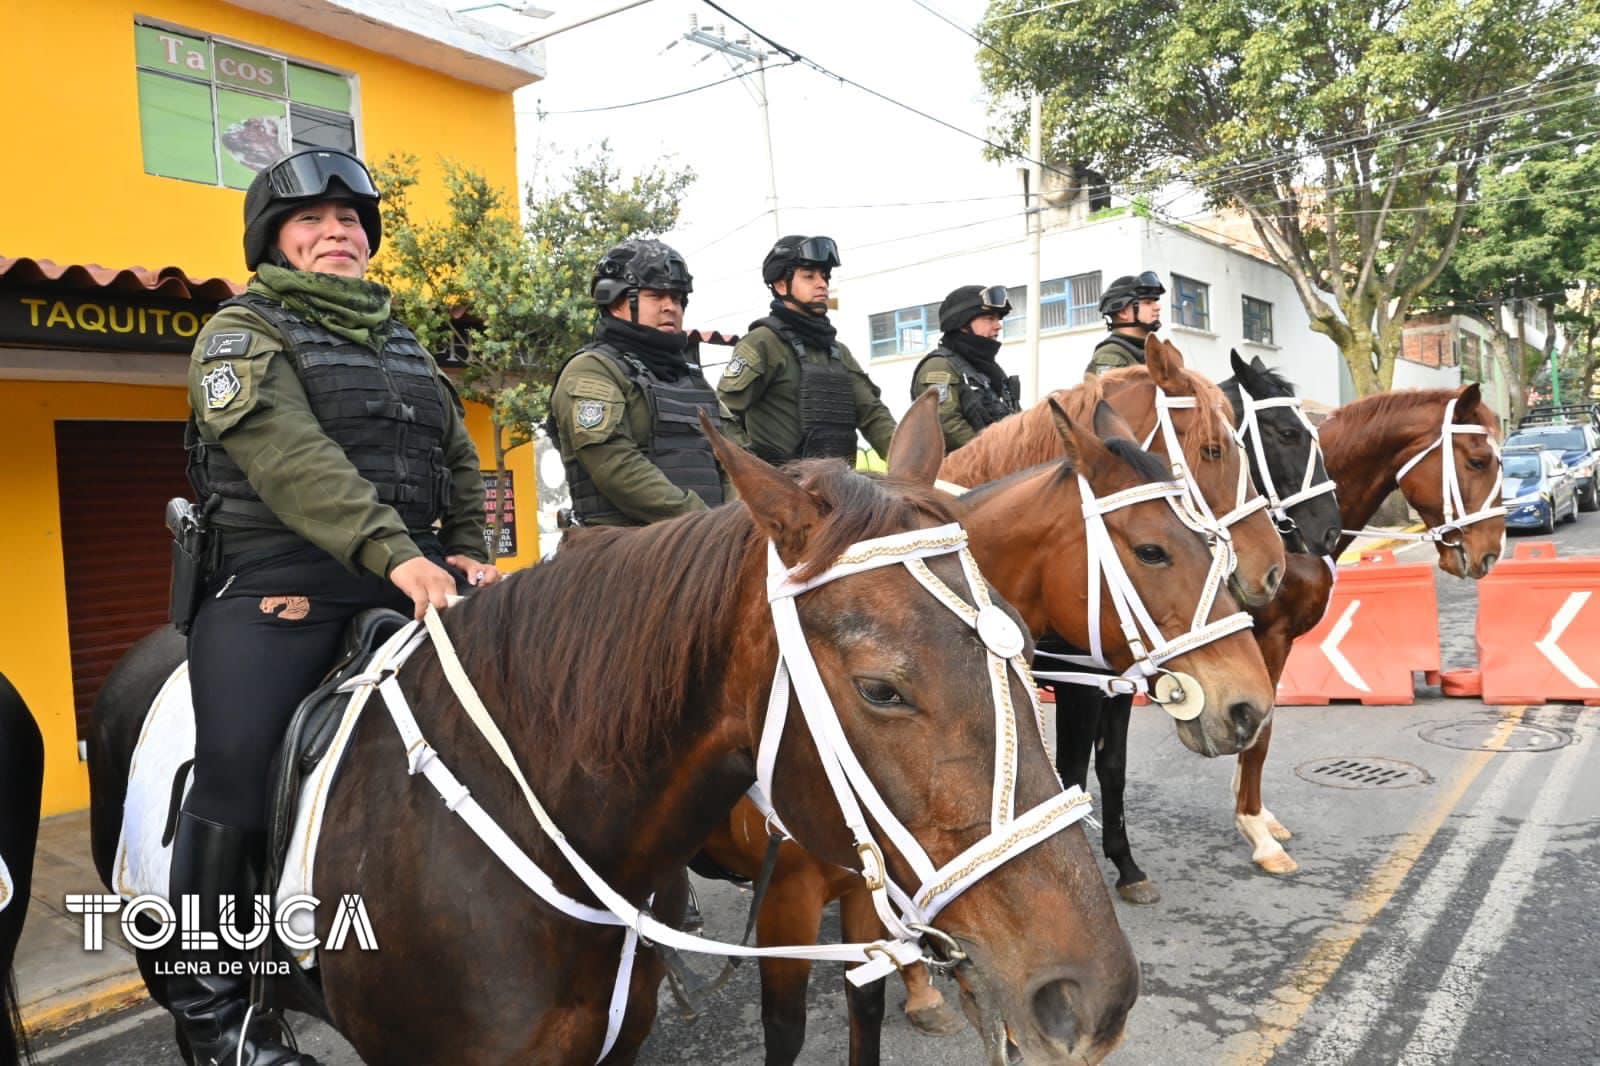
[{"x": 331, "y": 455}]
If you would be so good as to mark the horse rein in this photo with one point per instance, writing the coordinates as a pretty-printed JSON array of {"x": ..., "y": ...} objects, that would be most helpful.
[
  {"x": 1250, "y": 429},
  {"x": 1179, "y": 694},
  {"x": 908, "y": 916},
  {"x": 1453, "y": 505}
]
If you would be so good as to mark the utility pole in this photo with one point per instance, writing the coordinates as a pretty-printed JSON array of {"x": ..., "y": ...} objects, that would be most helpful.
[
  {"x": 745, "y": 53},
  {"x": 1035, "y": 209}
]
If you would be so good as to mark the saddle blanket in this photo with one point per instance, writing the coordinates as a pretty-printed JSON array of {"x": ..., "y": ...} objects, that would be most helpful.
[{"x": 166, "y": 741}]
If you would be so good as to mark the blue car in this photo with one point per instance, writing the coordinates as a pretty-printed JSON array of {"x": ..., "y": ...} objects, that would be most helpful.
[
  {"x": 1574, "y": 431},
  {"x": 1539, "y": 489}
]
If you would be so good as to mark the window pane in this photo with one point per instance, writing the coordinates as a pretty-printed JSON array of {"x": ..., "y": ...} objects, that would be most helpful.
[
  {"x": 930, "y": 315},
  {"x": 254, "y": 135},
  {"x": 1085, "y": 299},
  {"x": 319, "y": 88},
  {"x": 1016, "y": 323},
  {"x": 1257, "y": 320},
  {"x": 175, "y": 128},
  {"x": 882, "y": 326},
  {"x": 1053, "y": 287},
  {"x": 245, "y": 69},
  {"x": 1052, "y": 314},
  {"x": 174, "y": 53},
  {"x": 314, "y": 128}
]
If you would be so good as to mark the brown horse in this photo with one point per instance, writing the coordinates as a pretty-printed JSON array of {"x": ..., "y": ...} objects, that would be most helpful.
[
  {"x": 630, "y": 675},
  {"x": 1365, "y": 445},
  {"x": 1028, "y": 534}
]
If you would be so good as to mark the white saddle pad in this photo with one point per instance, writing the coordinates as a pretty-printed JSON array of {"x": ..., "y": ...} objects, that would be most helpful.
[
  {"x": 7, "y": 887},
  {"x": 143, "y": 865}
]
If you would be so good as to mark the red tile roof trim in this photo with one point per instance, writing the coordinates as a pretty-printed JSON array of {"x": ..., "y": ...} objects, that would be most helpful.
[{"x": 168, "y": 282}]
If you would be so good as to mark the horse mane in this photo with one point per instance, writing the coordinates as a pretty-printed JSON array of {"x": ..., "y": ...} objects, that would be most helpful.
[
  {"x": 1369, "y": 411},
  {"x": 1274, "y": 379},
  {"x": 604, "y": 648}
]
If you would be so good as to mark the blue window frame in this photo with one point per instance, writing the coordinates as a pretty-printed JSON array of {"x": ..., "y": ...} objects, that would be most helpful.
[
  {"x": 1191, "y": 302},
  {"x": 905, "y": 331},
  {"x": 1257, "y": 320}
]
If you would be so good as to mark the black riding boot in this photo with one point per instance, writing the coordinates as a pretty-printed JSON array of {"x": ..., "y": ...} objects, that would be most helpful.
[{"x": 212, "y": 861}]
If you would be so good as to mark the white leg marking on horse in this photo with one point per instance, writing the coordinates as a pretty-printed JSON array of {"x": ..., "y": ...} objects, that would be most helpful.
[{"x": 1266, "y": 852}]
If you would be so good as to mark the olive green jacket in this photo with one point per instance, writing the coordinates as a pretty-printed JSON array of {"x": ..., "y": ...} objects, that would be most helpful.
[
  {"x": 761, "y": 388},
  {"x": 938, "y": 372},
  {"x": 615, "y": 451},
  {"x": 1114, "y": 352},
  {"x": 269, "y": 430}
]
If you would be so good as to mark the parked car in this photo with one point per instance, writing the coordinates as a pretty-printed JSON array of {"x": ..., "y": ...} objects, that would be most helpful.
[
  {"x": 1538, "y": 490},
  {"x": 1574, "y": 431}
]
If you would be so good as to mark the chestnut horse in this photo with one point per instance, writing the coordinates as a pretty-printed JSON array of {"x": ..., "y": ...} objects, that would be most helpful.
[
  {"x": 1028, "y": 533},
  {"x": 21, "y": 779},
  {"x": 630, "y": 676},
  {"x": 1366, "y": 445}
]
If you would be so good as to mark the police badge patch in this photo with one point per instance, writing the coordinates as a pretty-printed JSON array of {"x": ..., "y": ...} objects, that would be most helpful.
[
  {"x": 221, "y": 386},
  {"x": 589, "y": 413},
  {"x": 736, "y": 366}
]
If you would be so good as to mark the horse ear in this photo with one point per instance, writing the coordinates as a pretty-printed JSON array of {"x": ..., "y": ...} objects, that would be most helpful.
[
  {"x": 1257, "y": 365},
  {"x": 917, "y": 448},
  {"x": 784, "y": 510},
  {"x": 1164, "y": 362},
  {"x": 1241, "y": 369},
  {"x": 1072, "y": 438},
  {"x": 1467, "y": 402}
]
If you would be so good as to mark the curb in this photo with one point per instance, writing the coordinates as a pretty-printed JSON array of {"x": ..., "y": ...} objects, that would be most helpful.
[
  {"x": 1353, "y": 555},
  {"x": 69, "y": 1008}
]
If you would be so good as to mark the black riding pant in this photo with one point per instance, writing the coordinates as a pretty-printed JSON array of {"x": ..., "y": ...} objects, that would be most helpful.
[{"x": 266, "y": 633}]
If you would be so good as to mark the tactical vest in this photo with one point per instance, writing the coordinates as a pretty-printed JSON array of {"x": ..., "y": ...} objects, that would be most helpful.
[
  {"x": 677, "y": 447},
  {"x": 827, "y": 403},
  {"x": 981, "y": 403},
  {"x": 385, "y": 410},
  {"x": 1134, "y": 350}
]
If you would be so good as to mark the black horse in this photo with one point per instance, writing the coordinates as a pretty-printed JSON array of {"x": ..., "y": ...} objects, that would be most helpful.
[{"x": 21, "y": 783}]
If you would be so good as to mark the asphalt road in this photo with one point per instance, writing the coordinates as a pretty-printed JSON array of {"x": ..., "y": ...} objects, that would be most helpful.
[{"x": 1447, "y": 921}]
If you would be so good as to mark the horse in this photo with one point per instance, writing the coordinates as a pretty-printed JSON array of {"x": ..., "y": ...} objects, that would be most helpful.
[
  {"x": 21, "y": 782},
  {"x": 629, "y": 676},
  {"x": 1176, "y": 410},
  {"x": 1029, "y": 535},
  {"x": 1373, "y": 446}
]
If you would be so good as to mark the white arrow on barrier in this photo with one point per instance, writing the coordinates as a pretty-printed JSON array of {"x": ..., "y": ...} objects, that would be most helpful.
[
  {"x": 1330, "y": 648},
  {"x": 1551, "y": 650}
]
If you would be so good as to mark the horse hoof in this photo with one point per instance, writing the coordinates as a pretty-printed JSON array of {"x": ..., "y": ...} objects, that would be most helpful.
[
  {"x": 1278, "y": 862},
  {"x": 936, "y": 1019},
  {"x": 1141, "y": 892}
]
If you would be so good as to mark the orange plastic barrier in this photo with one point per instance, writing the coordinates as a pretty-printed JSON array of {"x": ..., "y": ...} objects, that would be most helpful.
[
  {"x": 1539, "y": 627},
  {"x": 1382, "y": 624}
]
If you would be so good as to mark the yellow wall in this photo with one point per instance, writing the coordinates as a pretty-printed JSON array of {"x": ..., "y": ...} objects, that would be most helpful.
[
  {"x": 74, "y": 188},
  {"x": 34, "y": 650}
]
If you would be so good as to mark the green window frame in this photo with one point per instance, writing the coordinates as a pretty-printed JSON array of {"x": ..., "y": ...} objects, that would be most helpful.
[{"x": 218, "y": 112}]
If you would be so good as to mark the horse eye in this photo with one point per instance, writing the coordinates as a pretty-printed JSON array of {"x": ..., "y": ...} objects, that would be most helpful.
[
  {"x": 1288, "y": 435},
  {"x": 1152, "y": 555},
  {"x": 876, "y": 691},
  {"x": 1212, "y": 452},
  {"x": 1478, "y": 463}
]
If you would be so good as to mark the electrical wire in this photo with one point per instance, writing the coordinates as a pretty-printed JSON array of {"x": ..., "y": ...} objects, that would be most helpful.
[{"x": 738, "y": 75}]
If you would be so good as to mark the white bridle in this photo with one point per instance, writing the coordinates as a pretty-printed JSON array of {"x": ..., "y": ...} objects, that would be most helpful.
[
  {"x": 1150, "y": 647},
  {"x": 1250, "y": 429},
  {"x": 1452, "y": 503},
  {"x": 1246, "y": 500},
  {"x": 906, "y": 915}
]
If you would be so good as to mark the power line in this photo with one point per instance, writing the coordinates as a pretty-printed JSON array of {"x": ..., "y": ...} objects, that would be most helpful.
[{"x": 651, "y": 100}]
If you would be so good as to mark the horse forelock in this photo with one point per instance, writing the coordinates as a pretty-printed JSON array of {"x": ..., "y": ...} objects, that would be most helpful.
[{"x": 597, "y": 654}]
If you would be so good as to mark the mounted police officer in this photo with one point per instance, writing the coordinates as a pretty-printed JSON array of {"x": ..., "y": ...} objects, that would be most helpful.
[
  {"x": 793, "y": 389},
  {"x": 973, "y": 391},
  {"x": 625, "y": 409},
  {"x": 330, "y": 455},
  {"x": 1132, "y": 308}
]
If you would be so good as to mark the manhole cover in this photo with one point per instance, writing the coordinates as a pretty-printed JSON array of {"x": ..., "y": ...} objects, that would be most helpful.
[
  {"x": 1475, "y": 734},
  {"x": 1363, "y": 772}
]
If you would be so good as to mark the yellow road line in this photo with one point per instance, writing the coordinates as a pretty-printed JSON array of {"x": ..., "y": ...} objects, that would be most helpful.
[
  {"x": 1290, "y": 1001},
  {"x": 58, "y": 1012}
]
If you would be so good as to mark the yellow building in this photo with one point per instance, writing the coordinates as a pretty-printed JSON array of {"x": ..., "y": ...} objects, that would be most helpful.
[{"x": 130, "y": 132}]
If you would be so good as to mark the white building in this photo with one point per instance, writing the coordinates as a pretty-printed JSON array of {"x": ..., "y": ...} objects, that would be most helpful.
[{"x": 1218, "y": 298}]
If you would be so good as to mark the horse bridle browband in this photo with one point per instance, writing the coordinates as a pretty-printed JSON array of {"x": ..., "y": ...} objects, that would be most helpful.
[
  {"x": 1246, "y": 501},
  {"x": 1453, "y": 506},
  {"x": 907, "y": 915},
  {"x": 1250, "y": 429}
]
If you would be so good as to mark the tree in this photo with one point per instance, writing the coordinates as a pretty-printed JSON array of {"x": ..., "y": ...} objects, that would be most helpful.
[
  {"x": 1350, "y": 134},
  {"x": 1531, "y": 239},
  {"x": 510, "y": 299}
]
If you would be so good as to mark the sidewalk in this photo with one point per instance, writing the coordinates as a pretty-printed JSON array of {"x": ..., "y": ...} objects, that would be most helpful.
[
  {"x": 59, "y": 983},
  {"x": 1379, "y": 542}
]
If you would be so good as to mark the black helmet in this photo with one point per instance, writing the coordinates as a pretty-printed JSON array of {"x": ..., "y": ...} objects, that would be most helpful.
[
  {"x": 797, "y": 251},
  {"x": 306, "y": 177},
  {"x": 968, "y": 302},
  {"x": 639, "y": 264},
  {"x": 1129, "y": 289}
]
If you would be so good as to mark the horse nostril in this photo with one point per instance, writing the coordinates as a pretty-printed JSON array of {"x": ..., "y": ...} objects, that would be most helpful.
[
  {"x": 1246, "y": 719},
  {"x": 1487, "y": 563},
  {"x": 1053, "y": 1013},
  {"x": 1330, "y": 542},
  {"x": 1274, "y": 579}
]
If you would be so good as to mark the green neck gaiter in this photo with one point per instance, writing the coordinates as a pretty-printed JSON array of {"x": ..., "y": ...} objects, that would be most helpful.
[{"x": 353, "y": 308}]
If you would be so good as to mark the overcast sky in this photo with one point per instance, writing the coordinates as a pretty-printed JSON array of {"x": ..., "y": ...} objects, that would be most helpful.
[{"x": 845, "y": 161}]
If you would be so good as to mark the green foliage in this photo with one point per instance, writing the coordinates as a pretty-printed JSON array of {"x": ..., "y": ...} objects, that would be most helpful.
[{"x": 1352, "y": 134}]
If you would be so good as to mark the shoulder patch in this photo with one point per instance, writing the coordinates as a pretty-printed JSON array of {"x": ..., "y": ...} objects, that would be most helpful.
[
  {"x": 222, "y": 387},
  {"x": 940, "y": 377},
  {"x": 736, "y": 366},
  {"x": 589, "y": 413},
  {"x": 220, "y": 345},
  {"x": 595, "y": 388}
]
